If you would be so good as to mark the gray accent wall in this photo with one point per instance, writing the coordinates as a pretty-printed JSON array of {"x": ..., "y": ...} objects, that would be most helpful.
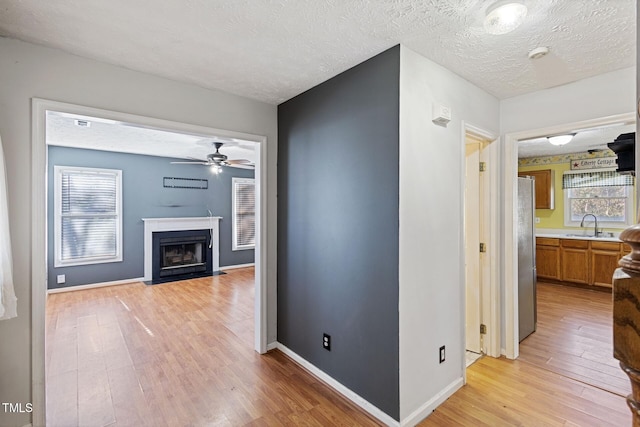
[
  {"x": 145, "y": 197},
  {"x": 338, "y": 219}
]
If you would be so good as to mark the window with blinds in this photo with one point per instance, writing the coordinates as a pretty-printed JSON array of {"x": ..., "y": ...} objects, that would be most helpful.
[
  {"x": 88, "y": 215},
  {"x": 606, "y": 194},
  {"x": 244, "y": 214}
]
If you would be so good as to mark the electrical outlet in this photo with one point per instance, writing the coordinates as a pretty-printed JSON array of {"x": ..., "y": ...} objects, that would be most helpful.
[
  {"x": 537, "y": 220},
  {"x": 61, "y": 279},
  {"x": 326, "y": 342},
  {"x": 441, "y": 354}
]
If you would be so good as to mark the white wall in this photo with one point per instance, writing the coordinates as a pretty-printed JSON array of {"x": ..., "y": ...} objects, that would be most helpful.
[
  {"x": 27, "y": 71},
  {"x": 600, "y": 96},
  {"x": 431, "y": 223}
]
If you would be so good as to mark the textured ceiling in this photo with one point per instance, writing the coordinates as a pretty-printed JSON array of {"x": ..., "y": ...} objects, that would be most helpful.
[
  {"x": 107, "y": 135},
  {"x": 272, "y": 50}
]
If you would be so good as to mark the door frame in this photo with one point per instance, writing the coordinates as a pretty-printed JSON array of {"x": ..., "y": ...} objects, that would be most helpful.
[
  {"x": 39, "y": 226},
  {"x": 490, "y": 289},
  {"x": 510, "y": 212}
]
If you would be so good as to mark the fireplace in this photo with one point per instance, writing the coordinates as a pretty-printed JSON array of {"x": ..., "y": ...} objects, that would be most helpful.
[
  {"x": 181, "y": 255},
  {"x": 155, "y": 228}
]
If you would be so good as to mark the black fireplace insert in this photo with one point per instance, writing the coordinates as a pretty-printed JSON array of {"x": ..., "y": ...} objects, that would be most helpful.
[{"x": 179, "y": 255}]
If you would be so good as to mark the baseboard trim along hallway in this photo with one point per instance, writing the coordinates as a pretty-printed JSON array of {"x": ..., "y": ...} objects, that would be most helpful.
[
  {"x": 340, "y": 388},
  {"x": 427, "y": 408},
  {"x": 414, "y": 418}
]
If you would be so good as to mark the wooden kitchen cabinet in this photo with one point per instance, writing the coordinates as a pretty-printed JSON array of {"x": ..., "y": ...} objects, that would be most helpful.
[
  {"x": 604, "y": 261},
  {"x": 548, "y": 258},
  {"x": 545, "y": 194},
  {"x": 574, "y": 261},
  {"x": 586, "y": 262}
]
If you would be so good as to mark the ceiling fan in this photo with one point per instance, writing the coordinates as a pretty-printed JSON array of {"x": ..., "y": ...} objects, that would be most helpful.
[{"x": 217, "y": 160}]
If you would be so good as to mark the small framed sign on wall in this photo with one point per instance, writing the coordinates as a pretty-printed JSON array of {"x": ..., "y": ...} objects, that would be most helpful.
[{"x": 599, "y": 163}]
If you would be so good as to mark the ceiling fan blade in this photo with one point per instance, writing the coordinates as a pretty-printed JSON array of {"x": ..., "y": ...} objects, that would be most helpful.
[
  {"x": 241, "y": 165},
  {"x": 238, "y": 162}
]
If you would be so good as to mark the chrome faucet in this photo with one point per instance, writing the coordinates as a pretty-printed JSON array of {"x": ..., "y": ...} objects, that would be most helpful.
[{"x": 595, "y": 230}]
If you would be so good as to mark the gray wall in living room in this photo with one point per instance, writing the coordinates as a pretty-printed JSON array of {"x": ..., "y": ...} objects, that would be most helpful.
[
  {"x": 338, "y": 213},
  {"x": 145, "y": 197}
]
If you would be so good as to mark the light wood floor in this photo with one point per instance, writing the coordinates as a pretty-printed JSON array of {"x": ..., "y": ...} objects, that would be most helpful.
[
  {"x": 574, "y": 337},
  {"x": 175, "y": 354},
  {"x": 565, "y": 375},
  {"x": 182, "y": 354}
]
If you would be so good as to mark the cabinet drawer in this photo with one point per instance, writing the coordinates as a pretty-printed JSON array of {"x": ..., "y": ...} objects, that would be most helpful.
[
  {"x": 625, "y": 248},
  {"x": 547, "y": 241},
  {"x": 571, "y": 243},
  {"x": 605, "y": 246}
]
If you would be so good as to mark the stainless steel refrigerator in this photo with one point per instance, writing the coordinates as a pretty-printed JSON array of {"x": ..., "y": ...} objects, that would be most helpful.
[{"x": 526, "y": 258}]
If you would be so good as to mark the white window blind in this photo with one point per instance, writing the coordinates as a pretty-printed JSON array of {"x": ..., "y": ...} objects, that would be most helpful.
[
  {"x": 88, "y": 215},
  {"x": 244, "y": 214}
]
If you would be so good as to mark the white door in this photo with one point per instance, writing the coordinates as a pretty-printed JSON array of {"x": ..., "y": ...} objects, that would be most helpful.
[{"x": 477, "y": 226}]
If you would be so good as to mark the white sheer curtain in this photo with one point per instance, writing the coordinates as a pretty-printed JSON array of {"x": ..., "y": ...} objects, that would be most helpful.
[{"x": 7, "y": 295}]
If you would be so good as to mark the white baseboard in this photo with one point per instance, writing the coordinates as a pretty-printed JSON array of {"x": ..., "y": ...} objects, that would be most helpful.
[
  {"x": 346, "y": 392},
  {"x": 124, "y": 282},
  {"x": 427, "y": 408},
  {"x": 94, "y": 285},
  {"x": 272, "y": 345},
  {"x": 232, "y": 267}
]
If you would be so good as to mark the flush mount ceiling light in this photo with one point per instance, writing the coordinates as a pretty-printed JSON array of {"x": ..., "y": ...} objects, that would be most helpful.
[
  {"x": 560, "y": 139},
  {"x": 504, "y": 17}
]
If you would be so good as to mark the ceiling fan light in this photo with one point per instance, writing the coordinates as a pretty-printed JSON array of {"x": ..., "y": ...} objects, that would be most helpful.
[
  {"x": 504, "y": 17},
  {"x": 560, "y": 139},
  {"x": 216, "y": 169}
]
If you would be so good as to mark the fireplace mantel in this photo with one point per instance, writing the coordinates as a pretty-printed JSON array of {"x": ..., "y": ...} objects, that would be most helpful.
[{"x": 153, "y": 225}]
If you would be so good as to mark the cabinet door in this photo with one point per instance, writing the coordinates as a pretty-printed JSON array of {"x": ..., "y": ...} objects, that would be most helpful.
[
  {"x": 545, "y": 195},
  {"x": 548, "y": 262},
  {"x": 603, "y": 264},
  {"x": 575, "y": 265}
]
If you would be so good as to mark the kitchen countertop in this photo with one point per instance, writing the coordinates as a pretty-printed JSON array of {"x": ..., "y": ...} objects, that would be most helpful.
[{"x": 578, "y": 237}]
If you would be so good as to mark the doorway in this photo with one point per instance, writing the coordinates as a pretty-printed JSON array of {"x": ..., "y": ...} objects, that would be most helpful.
[
  {"x": 39, "y": 224},
  {"x": 510, "y": 168}
]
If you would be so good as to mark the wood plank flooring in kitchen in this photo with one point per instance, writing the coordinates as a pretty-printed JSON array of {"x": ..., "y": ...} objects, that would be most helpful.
[
  {"x": 574, "y": 337},
  {"x": 182, "y": 353}
]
